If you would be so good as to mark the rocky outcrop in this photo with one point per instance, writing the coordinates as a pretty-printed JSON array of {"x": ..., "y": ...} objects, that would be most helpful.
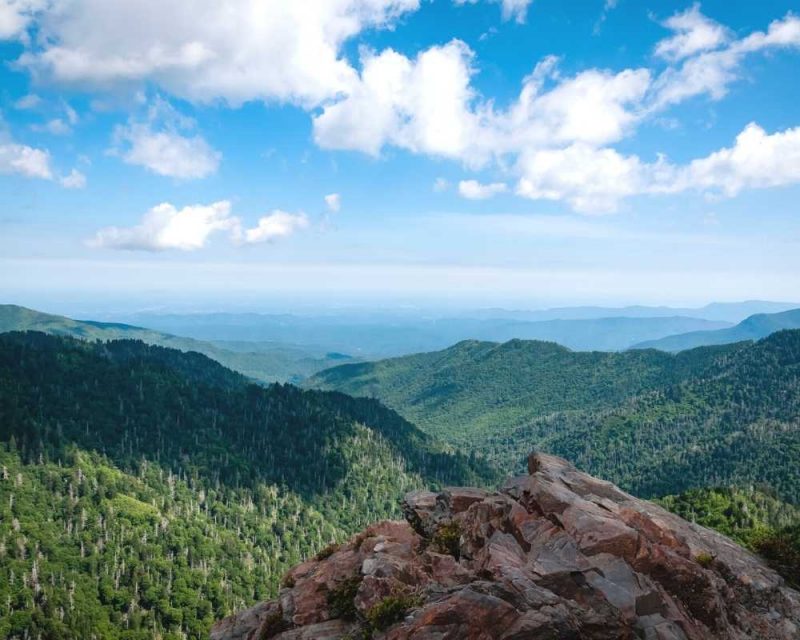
[{"x": 554, "y": 554}]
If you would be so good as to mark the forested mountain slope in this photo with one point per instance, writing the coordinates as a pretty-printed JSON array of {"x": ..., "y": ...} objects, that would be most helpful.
[
  {"x": 737, "y": 423},
  {"x": 264, "y": 363},
  {"x": 652, "y": 422},
  {"x": 145, "y": 492},
  {"x": 475, "y": 390},
  {"x": 753, "y": 328}
]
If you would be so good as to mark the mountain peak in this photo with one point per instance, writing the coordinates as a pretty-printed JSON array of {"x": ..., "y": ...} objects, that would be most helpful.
[{"x": 556, "y": 553}]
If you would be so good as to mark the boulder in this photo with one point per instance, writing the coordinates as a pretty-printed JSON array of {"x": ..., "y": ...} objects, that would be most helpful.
[{"x": 554, "y": 554}]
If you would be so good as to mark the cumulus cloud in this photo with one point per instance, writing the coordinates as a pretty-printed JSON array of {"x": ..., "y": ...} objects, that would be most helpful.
[
  {"x": 594, "y": 107},
  {"x": 694, "y": 32},
  {"x": 74, "y": 180},
  {"x": 556, "y": 135},
  {"x": 25, "y": 161},
  {"x": 206, "y": 50},
  {"x": 474, "y": 190},
  {"x": 711, "y": 72},
  {"x": 277, "y": 224},
  {"x": 595, "y": 180},
  {"x": 32, "y": 162},
  {"x": 421, "y": 104},
  {"x": 167, "y": 227},
  {"x": 427, "y": 105},
  {"x": 334, "y": 202},
  {"x": 165, "y": 144},
  {"x": 757, "y": 160},
  {"x": 16, "y": 15},
  {"x": 555, "y": 138},
  {"x": 591, "y": 180}
]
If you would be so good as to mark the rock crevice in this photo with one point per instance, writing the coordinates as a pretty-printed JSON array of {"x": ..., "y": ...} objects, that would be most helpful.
[{"x": 554, "y": 554}]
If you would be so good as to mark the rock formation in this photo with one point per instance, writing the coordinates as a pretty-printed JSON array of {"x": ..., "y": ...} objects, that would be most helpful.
[{"x": 554, "y": 554}]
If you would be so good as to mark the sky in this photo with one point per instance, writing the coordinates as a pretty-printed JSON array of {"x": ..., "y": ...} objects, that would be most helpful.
[{"x": 255, "y": 154}]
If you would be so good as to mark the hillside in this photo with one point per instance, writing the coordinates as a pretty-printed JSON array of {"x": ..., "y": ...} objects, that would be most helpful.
[
  {"x": 553, "y": 554},
  {"x": 145, "y": 492},
  {"x": 753, "y": 328},
  {"x": 736, "y": 424},
  {"x": 263, "y": 363},
  {"x": 475, "y": 390},
  {"x": 653, "y": 422}
]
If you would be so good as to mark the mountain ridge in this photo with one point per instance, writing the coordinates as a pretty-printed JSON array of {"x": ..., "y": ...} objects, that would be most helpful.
[
  {"x": 272, "y": 364},
  {"x": 753, "y": 327}
]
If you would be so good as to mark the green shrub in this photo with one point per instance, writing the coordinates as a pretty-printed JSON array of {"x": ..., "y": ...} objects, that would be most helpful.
[
  {"x": 341, "y": 599},
  {"x": 288, "y": 581},
  {"x": 327, "y": 552},
  {"x": 390, "y": 610},
  {"x": 705, "y": 560},
  {"x": 781, "y": 550},
  {"x": 447, "y": 539}
]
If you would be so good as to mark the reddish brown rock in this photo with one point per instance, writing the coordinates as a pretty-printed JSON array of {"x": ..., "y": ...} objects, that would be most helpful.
[{"x": 555, "y": 554}]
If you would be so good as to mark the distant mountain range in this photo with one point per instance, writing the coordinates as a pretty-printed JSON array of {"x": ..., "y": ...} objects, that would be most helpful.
[
  {"x": 261, "y": 362},
  {"x": 753, "y": 328},
  {"x": 720, "y": 311},
  {"x": 372, "y": 336}
]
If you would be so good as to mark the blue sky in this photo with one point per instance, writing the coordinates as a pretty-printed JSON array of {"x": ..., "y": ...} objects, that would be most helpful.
[{"x": 254, "y": 154}]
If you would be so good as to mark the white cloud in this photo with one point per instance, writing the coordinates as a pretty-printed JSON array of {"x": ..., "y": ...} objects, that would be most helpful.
[
  {"x": 25, "y": 161},
  {"x": 56, "y": 127},
  {"x": 74, "y": 180},
  {"x": 159, "y": 143},
  {"x": 593, "y": 107},
  {"x": 29, "y": 101},
  {"x": 205, "y": 50},
  {"x": 474, "y": 190},
  {"x": 694, "y": 33},
  {"x": 440, "y": 185},
  {"x": 594, "y": 180},
  {"x": 427, "y": 105},
  {"x": 591, "y": 180},
  {"x": 711, "y": 72},
  {"x": 334, "y": 202},
  {"x": 512, "y": 9},
  {"x": 421, "y": 105},
  {"x": 165, "y": 227},
  {"x": 555, "y": 136},
  {"x": 757, "y": 160},
  {"x": 278, "y": 224},
  {"x": 15, "y": 16}
]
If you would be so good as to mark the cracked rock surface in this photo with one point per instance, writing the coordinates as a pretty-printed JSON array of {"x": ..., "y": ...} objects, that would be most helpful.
[{"x": 553, "y": 554}]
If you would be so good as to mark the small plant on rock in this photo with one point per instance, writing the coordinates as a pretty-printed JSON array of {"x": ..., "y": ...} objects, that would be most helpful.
[
  {"x": 447, "y": 539},
  {"x": 705, "y": 560},
  {"x": 341, "y": 599},
  {"x": 390, "y": 610},
  {"x": 288, "y": 581},
  {"x": 327, "y": 552}
]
